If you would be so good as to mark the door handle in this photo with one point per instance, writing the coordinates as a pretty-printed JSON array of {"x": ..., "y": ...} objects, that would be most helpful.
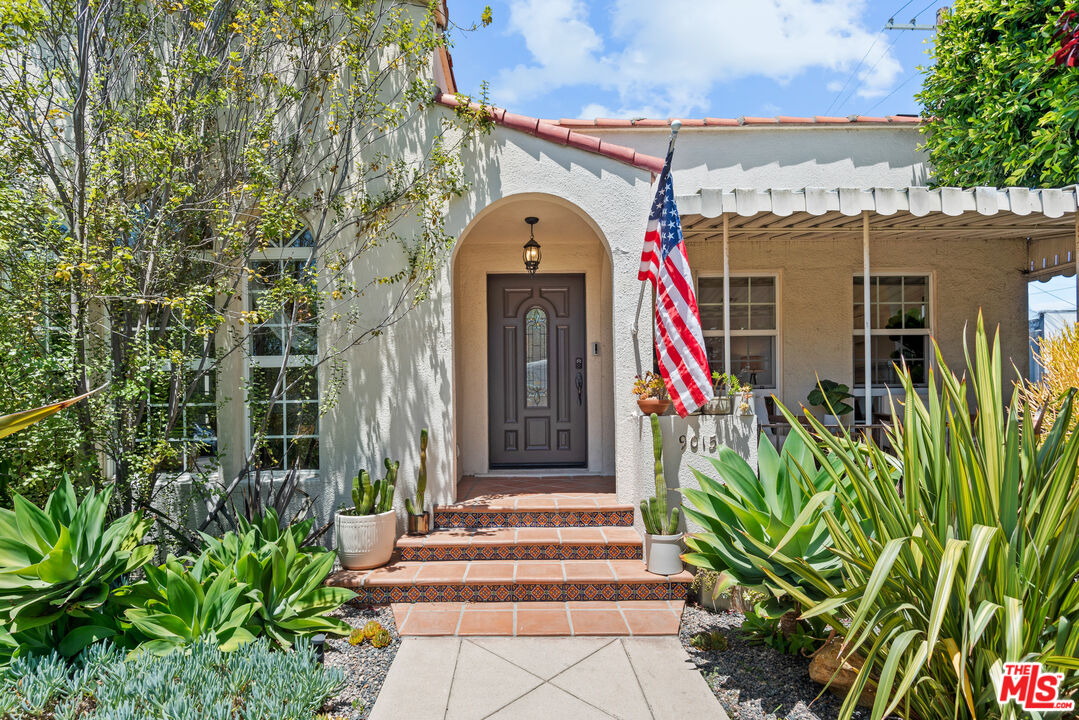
[{"x": 580, "y": 382}]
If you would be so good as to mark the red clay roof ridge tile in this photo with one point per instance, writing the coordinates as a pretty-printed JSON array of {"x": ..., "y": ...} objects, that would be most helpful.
[{"x": 562, "y": 133}]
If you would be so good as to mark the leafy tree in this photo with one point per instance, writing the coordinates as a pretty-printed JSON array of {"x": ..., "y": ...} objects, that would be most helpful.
[
  {"x": 1004, "y": 112},
  {"x": 152, "y": 153}
]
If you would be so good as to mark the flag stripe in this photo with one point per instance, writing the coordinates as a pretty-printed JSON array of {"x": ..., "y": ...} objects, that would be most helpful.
[{"x": 683, "y": 362}]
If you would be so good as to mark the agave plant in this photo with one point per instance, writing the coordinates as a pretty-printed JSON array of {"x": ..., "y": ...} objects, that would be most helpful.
[
  {"x": 178, "y": 605},
  {"x": 745, "y": 514},
  {"x": 57, "y": 568},
  {"x": 285, "y": 578},
  {"x": 969, "y": 562}
]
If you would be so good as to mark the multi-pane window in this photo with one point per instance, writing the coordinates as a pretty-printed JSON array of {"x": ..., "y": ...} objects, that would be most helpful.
[
  {"x": 899, "y": 320},
  {"x": 194, "y": 431},
  {"x": 754, "y": 334},
  {"x": 284, "y": 348}
]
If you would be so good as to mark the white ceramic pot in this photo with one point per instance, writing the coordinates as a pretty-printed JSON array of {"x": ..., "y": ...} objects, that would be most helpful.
[
  {"x": 665, "y": 554},
  {"x": 719, "y": 405},
  {"x": 365, "y": 541}
]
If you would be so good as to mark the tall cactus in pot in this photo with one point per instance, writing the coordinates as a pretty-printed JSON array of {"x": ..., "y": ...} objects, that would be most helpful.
[
  {"x": 417, "y": 508},
  {"x": 654, "y": 513},
  {"x": 375, "y": 497}
]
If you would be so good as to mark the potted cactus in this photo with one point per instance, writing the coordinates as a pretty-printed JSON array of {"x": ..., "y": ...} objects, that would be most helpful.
[
  {"x": 366, "y": 532},
  {"x": 663, "y": 541},
  {"x": 419, "y": 520}
]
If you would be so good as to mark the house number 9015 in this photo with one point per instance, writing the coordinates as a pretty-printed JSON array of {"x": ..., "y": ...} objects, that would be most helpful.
[{"x": 695, "y": 443}]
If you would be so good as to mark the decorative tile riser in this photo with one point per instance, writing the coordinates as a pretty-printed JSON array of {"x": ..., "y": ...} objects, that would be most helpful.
[
  {"x": 522, "y": 552},
  {"x": 477, "y": 519},
  {"x": 554, "y": 592}
]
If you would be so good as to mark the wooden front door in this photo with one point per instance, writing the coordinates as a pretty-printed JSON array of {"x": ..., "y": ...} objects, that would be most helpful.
[{"x": 537, "y": 399}]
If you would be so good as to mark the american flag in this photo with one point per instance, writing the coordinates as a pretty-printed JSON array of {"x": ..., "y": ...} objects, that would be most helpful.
[{"x": 680, "y": 343}]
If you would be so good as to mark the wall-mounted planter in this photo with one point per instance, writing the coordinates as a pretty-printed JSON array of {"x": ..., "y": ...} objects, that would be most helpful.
[
  {"x": 719, "y": 405},
  {"x": 365, "y": 541},
  {"x": 653, "y": 405}
]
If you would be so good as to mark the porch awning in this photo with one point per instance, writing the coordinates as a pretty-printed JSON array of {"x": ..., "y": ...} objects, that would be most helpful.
[{"x": 1046, "y": 218}]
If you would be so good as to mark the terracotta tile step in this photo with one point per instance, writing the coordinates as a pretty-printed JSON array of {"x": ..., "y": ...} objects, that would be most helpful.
[
  {"x": 627, "y": 617},
  {"x": 482, "y": 516},
  {"x": 527, "y": 543},
  {"x": 512, "y": 581}
]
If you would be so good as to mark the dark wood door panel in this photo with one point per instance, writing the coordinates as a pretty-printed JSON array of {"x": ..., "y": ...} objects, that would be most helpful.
[{"x": 536, "y": 375}]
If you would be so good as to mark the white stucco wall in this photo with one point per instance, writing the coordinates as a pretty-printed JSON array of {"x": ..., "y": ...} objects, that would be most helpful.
[{"x": 784, "y": 156}]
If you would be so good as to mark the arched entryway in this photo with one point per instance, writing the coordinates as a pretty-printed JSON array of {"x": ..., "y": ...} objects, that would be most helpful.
[{"x": 533, "y": 375}]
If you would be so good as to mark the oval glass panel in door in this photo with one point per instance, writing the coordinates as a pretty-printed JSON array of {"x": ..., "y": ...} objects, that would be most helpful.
[{"x": 536, "y": 383}]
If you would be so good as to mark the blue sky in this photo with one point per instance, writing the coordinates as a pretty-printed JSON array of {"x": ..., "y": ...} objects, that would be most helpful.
[
  {"x": 694, "y": 58},
  {"x": 698, "y": 58}
]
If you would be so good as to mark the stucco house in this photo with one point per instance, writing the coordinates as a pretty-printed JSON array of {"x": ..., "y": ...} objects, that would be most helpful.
[{"x": 526, "y": 376}]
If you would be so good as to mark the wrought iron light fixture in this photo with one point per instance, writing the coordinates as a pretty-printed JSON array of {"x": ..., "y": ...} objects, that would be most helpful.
[{"x": 531, "y": 251}]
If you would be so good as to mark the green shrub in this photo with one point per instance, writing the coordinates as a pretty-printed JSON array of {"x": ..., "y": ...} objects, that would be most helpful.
[
  {"x": 57, "y": 568},
  {"x": 746, "y": 514},
  {"x": 176, "y": 605},
  {"x": 970, "y": 561},
  {"x": 284, "y": 578},
  {"x": 253, "y": 683}
]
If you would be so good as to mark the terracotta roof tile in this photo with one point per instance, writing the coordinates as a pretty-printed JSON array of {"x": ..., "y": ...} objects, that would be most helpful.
[
  {"x": 612, "y": 123},
  {"x": 551, "y": 131},
  {"x": 576, "y": 122}
]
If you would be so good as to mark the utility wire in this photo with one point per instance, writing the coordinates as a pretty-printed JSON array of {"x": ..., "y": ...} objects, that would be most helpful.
[
  {"x": 883, "y": 54},
  {"x": 858, "y": 67}
]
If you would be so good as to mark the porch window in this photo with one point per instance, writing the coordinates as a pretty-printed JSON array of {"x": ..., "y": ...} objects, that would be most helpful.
[
  {"x": 900, "y": 325},
  {"x": 754, "y": 337},
  {"x": 283, "y": 350}
]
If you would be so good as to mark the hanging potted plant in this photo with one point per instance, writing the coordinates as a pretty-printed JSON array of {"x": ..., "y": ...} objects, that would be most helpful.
[
  {"x": 663, "y": 541},
  {"x": 832, "y": 398},
  {"x": 367, "y": 531},
  {"x": 724, "y": 387},
  {"x": 419, "y": 520},
  {"x": 651, "y": 394}
]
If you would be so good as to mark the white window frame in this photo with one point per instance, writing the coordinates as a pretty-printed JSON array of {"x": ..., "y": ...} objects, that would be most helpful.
[
  {"x": 272, "y": 254},
  {"x": 777, "y": 333},
  {"x": 881, "y": 389}
]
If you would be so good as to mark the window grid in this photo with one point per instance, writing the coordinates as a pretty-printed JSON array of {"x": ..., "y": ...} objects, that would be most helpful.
[
  {"x": 899, "y": 312},
  {"x": 291, "y": 432},
  {"x": 754, "y": 323},
  {"x": 194, "y": 433}
]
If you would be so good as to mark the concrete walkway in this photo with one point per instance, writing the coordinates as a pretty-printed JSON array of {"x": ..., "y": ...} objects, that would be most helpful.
[{"x": 544, "y": 678}]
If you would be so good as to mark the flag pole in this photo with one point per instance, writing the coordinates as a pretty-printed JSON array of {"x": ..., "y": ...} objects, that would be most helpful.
[{"x": 676, "y": 125}]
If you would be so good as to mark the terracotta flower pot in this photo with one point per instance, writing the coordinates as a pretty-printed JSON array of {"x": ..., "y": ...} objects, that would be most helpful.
[{"x": 653, "y": 405}]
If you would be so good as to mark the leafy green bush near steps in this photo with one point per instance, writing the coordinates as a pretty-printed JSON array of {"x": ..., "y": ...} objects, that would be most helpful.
[{"x": 255, "y": 682}]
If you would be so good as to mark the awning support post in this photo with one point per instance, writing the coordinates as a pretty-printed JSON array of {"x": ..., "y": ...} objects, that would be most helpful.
[
  {"x": 868, "y": 328},
  {"x": 726, "y": 297}
]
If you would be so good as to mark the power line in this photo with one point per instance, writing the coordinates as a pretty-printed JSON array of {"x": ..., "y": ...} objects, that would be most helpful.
[
  {"x": 858, "y": 67},
  {"x": 897, "y": 88},
  {"x": 883, "y": 55}
]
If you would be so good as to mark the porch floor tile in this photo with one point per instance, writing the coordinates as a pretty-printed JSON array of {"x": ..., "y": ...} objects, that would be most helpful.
[{"x": 553, "y": 619}]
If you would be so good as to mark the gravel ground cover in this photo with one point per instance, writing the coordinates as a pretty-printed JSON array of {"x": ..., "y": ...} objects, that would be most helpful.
[
  {"x": 754, "y": 682},
  {"x": 365, "y": 667}
]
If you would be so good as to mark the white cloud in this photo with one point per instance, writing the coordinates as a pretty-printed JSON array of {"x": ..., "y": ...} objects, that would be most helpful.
[{"x": 666, "y": 58}]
